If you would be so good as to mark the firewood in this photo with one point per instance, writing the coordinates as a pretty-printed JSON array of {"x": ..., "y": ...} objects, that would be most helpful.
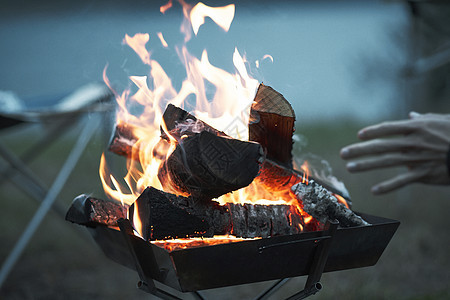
[
  {"x": 207, "y": 166},
  {"x": 164, "y": 215},
  {"x": 322, "y": 205},
  {"x": 123, "y": 140},
  {"x": 272, "y": 125},
  {"x": 272, "y": 174},
  {"x": 275, "y": 177},
  {"x": 178, "y": 122},
  {"x": 90, "y": 211}
]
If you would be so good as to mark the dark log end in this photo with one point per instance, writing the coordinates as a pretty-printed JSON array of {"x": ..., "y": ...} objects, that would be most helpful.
[
  {"x": 163, "y": 217},
  {"x": 91, "y": 212},
  {"x": 123, "y": 140}
]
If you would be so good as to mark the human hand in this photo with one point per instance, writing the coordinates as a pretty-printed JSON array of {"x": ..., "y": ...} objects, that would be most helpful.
[{"x": 420, "y": 143}]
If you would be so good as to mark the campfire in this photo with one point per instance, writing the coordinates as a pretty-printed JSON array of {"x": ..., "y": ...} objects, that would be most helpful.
[{"x": 212, "y": 196}]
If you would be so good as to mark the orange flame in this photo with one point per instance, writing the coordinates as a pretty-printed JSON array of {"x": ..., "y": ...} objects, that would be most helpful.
[
  {"x": 227, "y": 110},
  {"x": 163, "y": 41},
  {"x": 305, "y": 169},
  {"x": 137, "y": 224},
  {"x": 137, "y": 43},
  {"x": 222, "y": 16},
  {"x": 165, "y": 7},
  {"x": 155, "y": 92},
  {"x": 342, "y": 200}
]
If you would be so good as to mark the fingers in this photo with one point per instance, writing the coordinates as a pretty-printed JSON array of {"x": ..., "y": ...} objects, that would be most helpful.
[
  {"x": 376, "y": 147},
  {"x": 398, "y": 182},
  {"x": 415, "y": 115},
  {"x": 391, "y": 160},
  {"x": 387, "y": 129}
]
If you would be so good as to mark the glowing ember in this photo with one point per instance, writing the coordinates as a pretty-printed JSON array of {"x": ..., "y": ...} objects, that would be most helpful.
[{"x": 177, "y": 244}]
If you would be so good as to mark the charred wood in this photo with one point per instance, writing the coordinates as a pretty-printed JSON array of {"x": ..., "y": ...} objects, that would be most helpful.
[
  {"x": 123, "y": 140},
  {"x": 164, "y": 215},
  {"x": 275, "y": 177},
  {"x": 322, "y": 205},
  {"x": 272, "y": 125},
  {"x": 207, "y": 166},
  {"x": 90, "y": 211},
  {"x": 178, "y": 122}
]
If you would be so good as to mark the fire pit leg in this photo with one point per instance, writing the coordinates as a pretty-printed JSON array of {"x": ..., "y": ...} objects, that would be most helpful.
[
  {"x": 312, "y": 285},
  {"x": 146, "y": 282},
  {"x": 272, "y": 289}
]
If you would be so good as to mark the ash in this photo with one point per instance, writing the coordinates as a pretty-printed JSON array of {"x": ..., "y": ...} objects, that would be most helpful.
[{"x": 322, "y": 205}]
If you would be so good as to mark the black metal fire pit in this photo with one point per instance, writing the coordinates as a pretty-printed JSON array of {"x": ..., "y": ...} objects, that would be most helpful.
[{"x": 199, "y": 268}]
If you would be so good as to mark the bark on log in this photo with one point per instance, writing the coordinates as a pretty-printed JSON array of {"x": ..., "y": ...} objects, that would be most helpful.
[
  {"x": 164, "y": 215},
  {"x": 272, "y": 125},
  {"x": 207, "y": 166},
  {"x": 321, "y": 205},
  {"x": 90, "y": 211}
]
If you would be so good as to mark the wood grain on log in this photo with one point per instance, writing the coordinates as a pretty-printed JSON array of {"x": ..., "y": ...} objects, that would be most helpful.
[{"x": 272, "y": 125}]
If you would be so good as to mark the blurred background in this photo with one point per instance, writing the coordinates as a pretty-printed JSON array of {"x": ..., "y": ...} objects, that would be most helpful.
[{"x": 342, "y": 64}]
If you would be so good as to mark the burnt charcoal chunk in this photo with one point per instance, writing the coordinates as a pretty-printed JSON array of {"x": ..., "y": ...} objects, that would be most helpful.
[{"x": 322, "y": 205}]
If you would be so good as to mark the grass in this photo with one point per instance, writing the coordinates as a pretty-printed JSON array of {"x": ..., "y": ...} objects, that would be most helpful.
[{"x": 62, "y": 262}]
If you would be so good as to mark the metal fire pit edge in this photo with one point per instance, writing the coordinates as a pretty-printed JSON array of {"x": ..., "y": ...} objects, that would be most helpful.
[{"x": 208, "y": 267}]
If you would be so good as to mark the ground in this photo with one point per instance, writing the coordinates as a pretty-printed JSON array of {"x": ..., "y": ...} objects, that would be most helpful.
[{"x": 62, "y": 261}]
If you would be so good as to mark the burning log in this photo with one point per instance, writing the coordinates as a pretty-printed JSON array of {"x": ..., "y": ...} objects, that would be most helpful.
[
  {"x": 207, "y": 166},
  {"x": 179, "y": 122},
  {"x": 322, "y": 205},
  {"x": 123, "y": 140},
  {"x": 164, "y": 215},
  {"x": 90, "y": 211},
  {"x": 272, "y": 124}
]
